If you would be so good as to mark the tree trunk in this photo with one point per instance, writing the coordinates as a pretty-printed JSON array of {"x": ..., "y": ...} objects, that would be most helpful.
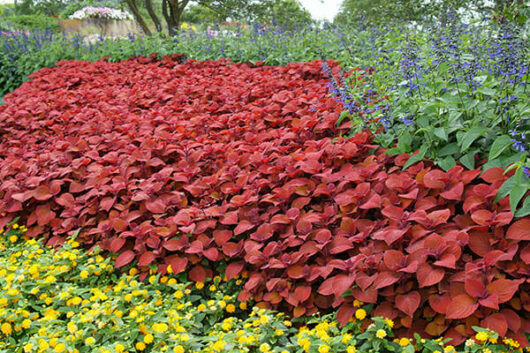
[
  {"x": 149, "y": 7},
  {"x": 138, "y": 16}
]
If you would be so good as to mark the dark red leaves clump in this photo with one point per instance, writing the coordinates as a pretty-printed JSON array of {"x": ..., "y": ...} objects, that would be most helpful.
[{"x": 184, "y": 164}]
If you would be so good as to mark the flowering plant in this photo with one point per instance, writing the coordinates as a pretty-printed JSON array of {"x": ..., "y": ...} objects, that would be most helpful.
[
  {"x": 70, "y": 300},
  {"x": 101, "y": 12}
]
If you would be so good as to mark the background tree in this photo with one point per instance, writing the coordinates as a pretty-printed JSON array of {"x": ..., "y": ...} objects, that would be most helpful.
[{"x": 281, "y": 12}]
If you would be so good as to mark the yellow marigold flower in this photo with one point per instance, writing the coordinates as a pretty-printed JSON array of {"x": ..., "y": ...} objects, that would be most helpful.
[
  {"x": 230, "y": 308},
  {"x": 278, "y": 332},
  {"x": 43, "y": 345},
  {"x": 493, "y": 340},
  {"x": 15, "y": 226},
  {"x": 184, "y": 338},
  {"x": 389, "y": 322},
  {"x": 449, "y": 349},
  {"x": 13, "y": 238},
  {"x": 351, "y": 349},
  {"x": 178, "y": 349},
  {"x": 264, "y": 348},
  {"x": 6, "y": 328},
  {"x": 84, "y": 274},
  {"x": 380, "y": 333},
  {"x": 486, "y": 350},
  {"x": 199, "y": 285},
  {"x": 218, "y": 345},
  {"x": 323, "y": 348},
  {"x": 76, "y": 300},
  {"x": 482, "y": 336},
  {"x": 160, "y": 328},
  {"x": 119, "y": 348},
  {"x": 50, "y": 279},
  {"x": 26, "y": 323},
  {"x": 226, "y": 326},
  {"x": 243, "y": 306},
  {"x": 28, "y": 348},
  {"x": 201, "y": 307},
  {"x": 404, "y": 342},
  {"x": 128, "y": 297},
  {"x": 148, "y": 338},
  {"x": 59, "y": 348},
  {"x": 264, "y": 320},
  {"x": 212, "y": 288},
  {"x": 346, "y": 338},
  {"x": 172, "y": 281},
  {"x": 140, "y": 346},
  {"x": 360, "y": 314},
  {"x": 178, "y": 294},
  {"x": 90, "y": 340}
]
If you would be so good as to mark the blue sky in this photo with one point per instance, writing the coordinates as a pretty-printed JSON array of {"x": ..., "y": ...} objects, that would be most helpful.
[{"x": 322, "y": 9}]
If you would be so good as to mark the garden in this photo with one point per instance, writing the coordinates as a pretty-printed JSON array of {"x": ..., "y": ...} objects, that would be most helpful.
[{"x": 249, "y": 179}]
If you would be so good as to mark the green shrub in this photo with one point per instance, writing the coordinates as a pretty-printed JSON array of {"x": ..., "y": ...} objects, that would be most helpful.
[{"x": 28, "y": 22}]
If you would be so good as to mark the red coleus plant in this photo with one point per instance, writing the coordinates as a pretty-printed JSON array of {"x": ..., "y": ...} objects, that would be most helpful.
[{"x": 197, "y": 163}]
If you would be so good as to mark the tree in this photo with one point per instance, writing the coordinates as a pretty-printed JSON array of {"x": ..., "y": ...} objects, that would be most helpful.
[
  {"x": 282, "y": 12},
  {"x": 384, "y": 11}
]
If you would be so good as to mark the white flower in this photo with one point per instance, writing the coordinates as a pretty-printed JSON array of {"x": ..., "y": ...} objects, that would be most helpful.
[{"x": 101, "y": 12}]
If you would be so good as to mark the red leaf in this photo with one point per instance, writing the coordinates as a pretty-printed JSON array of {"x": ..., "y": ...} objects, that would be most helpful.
[
  {"x": 222, "y": 236},
  {"x": 345, "y": 313},
  {"x": 196, "y": 247},
  {"x": 302, "y": 293},
  {"x": 296, "y": 271},
  {"x": 234, "y": 269},
  {"x": 146, "y": 258},
  {"x": 461, "y": 306},
  {"x": 408, "y": 303},
  {"x": 520, "y": 230},
  {"x": 155, "y": 206},
  {"x": 428, "y": 275},
  {"x": 178, "y": 264},
  {"x": 439, "y": 303},
  {"x": 124, "y": 258},
  {"x": 496, "y": 322},
  {"x": 504, "y": 288},
  {"x": 339, "y": 245},
  {"x": 242, "y": 227},
  {"x": 211, "y": 254},
  {"x": 197, "y": 274},
  {"x": 42, "y": 193},
  {"x": 117, "y": 244},
  {"x": 475, "y": 288}
]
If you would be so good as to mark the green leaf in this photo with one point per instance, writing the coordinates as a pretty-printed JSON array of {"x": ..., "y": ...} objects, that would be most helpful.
[
  {"x": 468, "y": 160},
  {"x": 525, "y": 209},
  {"x": 516, "y": 194},
  {"x": 449, "y": 150},
  {"x": 470, "y": 136},
  {"x": 417, "y": 157},
  {"x": 505, "y": 188},
  {"x": 499, "y": 145},
  {"x": 447, "y": 163},
  {"x": 441, "y": 133}
]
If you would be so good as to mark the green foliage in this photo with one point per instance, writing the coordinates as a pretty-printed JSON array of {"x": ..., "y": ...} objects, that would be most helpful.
[
  {"x": 40, "y": 7},
  {"x": 451, "y": 95},
  {"x": 28, "y": 22}
]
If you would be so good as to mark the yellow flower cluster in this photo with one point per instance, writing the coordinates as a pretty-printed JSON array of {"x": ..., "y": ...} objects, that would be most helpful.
[{"x": 71, "y": 301}]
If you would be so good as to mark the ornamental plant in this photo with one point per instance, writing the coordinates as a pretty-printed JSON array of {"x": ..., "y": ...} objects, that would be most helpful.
[
  {"x": 70, "y": 300},
  {"x": 101, "y": 12},
  {"x": 450, "y": 91},
  {"x": 198, "y": 164}
]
